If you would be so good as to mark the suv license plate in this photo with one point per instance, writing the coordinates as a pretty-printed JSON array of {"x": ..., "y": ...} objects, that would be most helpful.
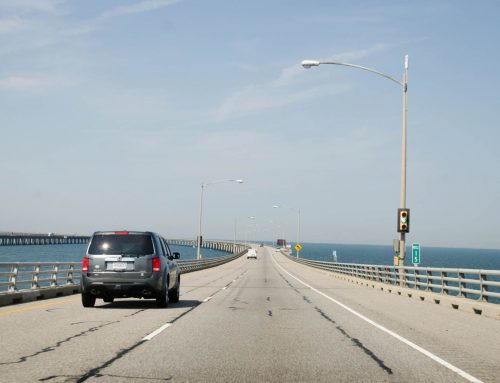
[{"x": 119, "y": 265}]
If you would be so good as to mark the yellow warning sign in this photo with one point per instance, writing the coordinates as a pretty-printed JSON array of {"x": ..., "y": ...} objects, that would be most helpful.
[{"x": 298, "y": 247}]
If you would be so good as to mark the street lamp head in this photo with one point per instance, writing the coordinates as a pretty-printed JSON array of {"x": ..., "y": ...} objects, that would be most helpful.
[
  {"x": 239, "y": 181},
  {"x": 309, "y": 63},
  {"x": 276, "y": 206}
]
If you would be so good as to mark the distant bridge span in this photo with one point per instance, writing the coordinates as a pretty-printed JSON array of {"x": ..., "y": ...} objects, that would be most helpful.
[{"x": 26, "y": 239}]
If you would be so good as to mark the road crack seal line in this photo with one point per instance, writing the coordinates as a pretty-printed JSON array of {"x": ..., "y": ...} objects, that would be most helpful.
[
  {"x": 356, "y": 342},
  {"x": 73, "y": 377},
  {"x": 54, "y": 309},
  {"x": 58, "y": 344},
  {"x": 119, "y": 355},
  {"x": 135, "y": 377},
  {"x": 134, "y": 313},
  {"x": 233, "y": 308}
]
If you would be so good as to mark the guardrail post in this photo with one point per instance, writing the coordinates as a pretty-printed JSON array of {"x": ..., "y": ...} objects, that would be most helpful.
[
  {"x": 34, "y": 278},
  {"x": 461, "y": 285},
  {"x": 428, "y": 275},
  {"x": 417, "y": 279},
  {"x": 404, "y": 273},
  {"x": 69, "y": 277},
  {"x": 12, "y": 277},
  {"x": 483, "y": 287},
  {"x": 392, "y": 273},
  {"x": 444, "y": 283},
  {"x": 53, "y": 276}
]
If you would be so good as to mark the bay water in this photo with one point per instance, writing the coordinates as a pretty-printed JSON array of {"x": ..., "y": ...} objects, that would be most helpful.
[{"x": 75, "y": 253}]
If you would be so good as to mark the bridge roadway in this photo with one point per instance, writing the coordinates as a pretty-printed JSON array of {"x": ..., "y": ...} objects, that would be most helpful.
[{"x": 269, "y": 320}]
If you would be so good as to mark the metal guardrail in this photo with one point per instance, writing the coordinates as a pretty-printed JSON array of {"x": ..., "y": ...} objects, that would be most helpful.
[
  {"x": 34, "y": 275},
  {"x": 481, "y": 285},
  {"x": 188, "y": 266},
  {"x": 228, "y": 247}
]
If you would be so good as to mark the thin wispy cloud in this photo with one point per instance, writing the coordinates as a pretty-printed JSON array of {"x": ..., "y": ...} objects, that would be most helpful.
[
  {"x": 362, "y": 53},
  {"x": 255, "y": 99},
  {"x": 90, "y": 26},
  {"x": 284, "y": 89},
  {"x": 140, "y": 7}
]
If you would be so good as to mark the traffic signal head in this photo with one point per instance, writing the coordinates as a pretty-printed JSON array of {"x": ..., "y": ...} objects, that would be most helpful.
[{"x": 403, "y": 220}]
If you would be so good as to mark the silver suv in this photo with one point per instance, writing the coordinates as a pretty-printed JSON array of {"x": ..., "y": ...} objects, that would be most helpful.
[{"x": 121, "y": 264}]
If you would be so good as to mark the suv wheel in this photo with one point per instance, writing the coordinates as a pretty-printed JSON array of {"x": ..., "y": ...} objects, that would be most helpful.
[
  {"x": 173, "y": 295},
  {"x": 88, "y": 300},
  {"x": 162, "y": 298}
]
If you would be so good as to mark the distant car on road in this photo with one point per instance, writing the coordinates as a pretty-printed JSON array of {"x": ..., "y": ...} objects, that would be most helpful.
[
  {"x": 261, "y": 245},
  {"x": 121, "y": 264},
  {"x": 251, "y": 253}
]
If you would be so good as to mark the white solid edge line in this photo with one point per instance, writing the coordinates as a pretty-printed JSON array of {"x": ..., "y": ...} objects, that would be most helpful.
[
  {"x": 156, "y": 332},
  {"x": 436, "y": 358}
]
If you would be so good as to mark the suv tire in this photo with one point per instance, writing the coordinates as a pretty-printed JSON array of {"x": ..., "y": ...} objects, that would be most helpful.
[
  {"x": 162, "y": 298},
  {"x": 88, "y": 300},
  {"x": 173, "y": 295}
]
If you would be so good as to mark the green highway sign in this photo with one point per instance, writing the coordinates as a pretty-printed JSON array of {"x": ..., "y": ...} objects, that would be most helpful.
[{"x": 415, "y": 253}]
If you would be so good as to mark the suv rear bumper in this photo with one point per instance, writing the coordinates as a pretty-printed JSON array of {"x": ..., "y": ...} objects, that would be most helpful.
[{"x": 141, "y": 289}]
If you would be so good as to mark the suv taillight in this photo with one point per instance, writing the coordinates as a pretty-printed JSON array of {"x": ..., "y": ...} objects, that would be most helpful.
[
  {"x": 85, "y": 265},
  {"x": 156, "y": 265}
]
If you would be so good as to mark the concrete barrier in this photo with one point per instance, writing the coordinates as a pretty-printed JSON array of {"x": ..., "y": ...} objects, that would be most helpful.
[{"x": 21, "y": 296}]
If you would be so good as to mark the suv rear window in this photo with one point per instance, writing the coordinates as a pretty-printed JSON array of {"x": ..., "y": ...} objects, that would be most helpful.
[{"x": 128, "y": 244}]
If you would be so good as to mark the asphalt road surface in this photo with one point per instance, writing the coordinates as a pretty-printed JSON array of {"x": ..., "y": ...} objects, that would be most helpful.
[{"x": 264, "y": 320}]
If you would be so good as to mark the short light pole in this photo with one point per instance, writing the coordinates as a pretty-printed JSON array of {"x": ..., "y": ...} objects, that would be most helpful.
[
  {"x": 203, "y": 185},
  {"x": 246, "y": 230},
  {"x": 404, "y": 85},
  {"x": 298, "y": 223},
  {"x": 279, "y": 231}
]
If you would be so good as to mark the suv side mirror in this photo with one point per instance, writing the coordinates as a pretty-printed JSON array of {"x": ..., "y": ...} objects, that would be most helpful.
[{"x": 177, "y": 255}]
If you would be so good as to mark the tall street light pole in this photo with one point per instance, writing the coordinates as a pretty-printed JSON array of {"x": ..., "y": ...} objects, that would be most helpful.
[
  {"x": 235, "y": 228},
  {"x": 203, "y": 185},
  {"x": 298, "y": 223},
  {"x": 246, "y": 230},
  {"x": 404, "y": 85}
]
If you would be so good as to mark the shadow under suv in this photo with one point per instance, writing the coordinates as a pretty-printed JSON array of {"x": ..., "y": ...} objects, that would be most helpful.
[{"x": 121, "y": 264}]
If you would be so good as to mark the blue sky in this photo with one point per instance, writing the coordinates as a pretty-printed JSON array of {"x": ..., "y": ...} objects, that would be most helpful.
[{"x": 114, "y": 112}]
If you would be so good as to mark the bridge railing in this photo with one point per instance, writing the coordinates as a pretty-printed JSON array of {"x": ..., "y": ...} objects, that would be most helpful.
[
  {"x": 33, "y": 275},
  {"x": 482, "y": 285},
  {"x": 227, "y": 247},
  {"x": 188, "y": 266}
]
